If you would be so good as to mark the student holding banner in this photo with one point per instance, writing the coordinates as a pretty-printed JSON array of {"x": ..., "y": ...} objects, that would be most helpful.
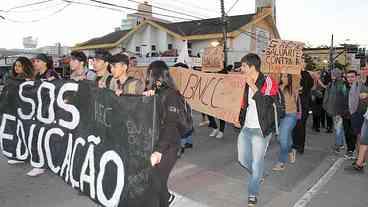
[
  {"x": 44, "y": 67},
  {"x": 171, "y": 128},
  {"x": 22, "y": 70},
  {"x": 259, "y": 99},
  {"x": 103, "y": 69},
  {"x": 124, "y": 84},
  {"x": 78, "y": 66}
]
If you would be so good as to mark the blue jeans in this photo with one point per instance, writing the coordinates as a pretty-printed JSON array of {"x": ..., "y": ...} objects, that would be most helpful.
[
  {"x": 340, "y": 135},
  {"x": 187, "y": 140},
  {"x": 287, "y": 125},
  {"x": 252, "y": 147}
]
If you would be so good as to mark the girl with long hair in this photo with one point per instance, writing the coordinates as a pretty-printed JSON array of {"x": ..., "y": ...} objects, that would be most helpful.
[
  {"x": 287, "y": 123},
  {"x": 164, "y": 156},
  {"x": 22, "y": 69}
]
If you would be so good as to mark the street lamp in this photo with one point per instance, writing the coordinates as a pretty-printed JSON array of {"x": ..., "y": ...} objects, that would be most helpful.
[{"x": 215, "y": 43}]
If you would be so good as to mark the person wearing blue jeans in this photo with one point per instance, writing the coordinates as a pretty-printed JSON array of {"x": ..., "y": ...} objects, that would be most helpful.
[
  {"x": 285, "y": 139},
  {"x": 288, "y": 122},
  {"x": 187, "y": 141},
  {"x": 340, "y": 136},
  {"x": 252, "y": 147},
  {"x": 258, "y": 122}
]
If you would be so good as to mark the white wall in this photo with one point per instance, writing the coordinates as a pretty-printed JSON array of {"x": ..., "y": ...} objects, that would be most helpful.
[
  {"x": 199, "y": 45},
  {"x": 239, "y": 47}
]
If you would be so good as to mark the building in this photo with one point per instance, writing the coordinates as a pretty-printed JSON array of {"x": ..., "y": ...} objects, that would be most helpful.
[
  {"x": 153, "y": 37},
  {"x": 346, "y": 57},
  {"x": 55, "y": 50}
]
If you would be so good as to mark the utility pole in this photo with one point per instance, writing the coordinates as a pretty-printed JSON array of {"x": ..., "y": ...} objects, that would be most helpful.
[
  {"x": 224, "y": 29},
  {"x": 332, "y": 65}
]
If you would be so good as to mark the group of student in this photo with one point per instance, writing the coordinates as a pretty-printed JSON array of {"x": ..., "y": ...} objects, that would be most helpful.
[
  {"x": 260, "y": 120},
  {"x": 111, "y": 72}
]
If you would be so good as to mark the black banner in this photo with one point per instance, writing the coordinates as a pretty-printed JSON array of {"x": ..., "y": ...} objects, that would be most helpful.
[{"x": 95, "y": 141}]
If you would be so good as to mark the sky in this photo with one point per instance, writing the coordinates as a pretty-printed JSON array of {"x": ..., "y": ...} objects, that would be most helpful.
[{"x": 309, "y": 21}]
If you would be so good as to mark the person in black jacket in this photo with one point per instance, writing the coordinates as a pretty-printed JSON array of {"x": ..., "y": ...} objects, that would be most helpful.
[
  {"x": 306, "y": 85},
  {"x": 165, "y": 152},
  {"x": 44, "y": 68},
  {"x": 259, "y": 122}
]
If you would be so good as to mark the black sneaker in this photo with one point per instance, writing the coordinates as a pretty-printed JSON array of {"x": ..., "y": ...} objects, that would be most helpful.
[
  {"x": 349, "y": 155},
  {"x": 187, "y": 145},
  {"x": 329, "y": 131},
  {"x": 171, "y": 198},
  {"x": 252, "y": 201}
]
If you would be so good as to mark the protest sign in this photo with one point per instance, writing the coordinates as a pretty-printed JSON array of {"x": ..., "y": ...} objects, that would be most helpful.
[
  {"x": 213, "y": 59},
  {"x": 282, "y": 56},
  {"x": 218, "y": 95}
]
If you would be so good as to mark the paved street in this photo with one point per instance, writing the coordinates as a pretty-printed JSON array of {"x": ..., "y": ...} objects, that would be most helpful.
[{"x": 209, "y": 175}]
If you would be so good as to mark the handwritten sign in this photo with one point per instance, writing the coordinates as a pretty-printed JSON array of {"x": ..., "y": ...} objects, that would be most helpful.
[
  {"x": 218, "y": 95},
  {"x": 215, "y": 94},
  {"x": 213, "y": 59},
  {"x": 282, "y": 56}
]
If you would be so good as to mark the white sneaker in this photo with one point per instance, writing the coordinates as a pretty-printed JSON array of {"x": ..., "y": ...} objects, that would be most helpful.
[
  {"x": 214, "y": 132},
  {"x": 13, "y": 162},
  {"x": 36, "y": 172},
  {"x": 220, "y": 135},
  {"x": 292, "y": 156}
]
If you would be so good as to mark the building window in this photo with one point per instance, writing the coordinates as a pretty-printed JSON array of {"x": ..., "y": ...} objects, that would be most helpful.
[
  {"x": 170, "y": 46},
  {"x": 153, "y": 47},
  {"x": 138, "y": 49}
]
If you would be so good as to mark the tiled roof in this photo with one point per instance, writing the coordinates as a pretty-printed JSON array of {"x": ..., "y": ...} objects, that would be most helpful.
[
  {"x": 107, "y": 39},
  {"x": 207, "y": 26}
]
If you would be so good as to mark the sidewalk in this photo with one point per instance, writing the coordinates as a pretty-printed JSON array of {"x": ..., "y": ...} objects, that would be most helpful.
[{"x": 346, "y": 188}]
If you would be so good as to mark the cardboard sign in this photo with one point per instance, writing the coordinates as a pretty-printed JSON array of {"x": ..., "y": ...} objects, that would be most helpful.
[
  {"x": 213, "y": 59},
  {"x": 282, "y": 56},
  {"x": 218, "y": 95}
]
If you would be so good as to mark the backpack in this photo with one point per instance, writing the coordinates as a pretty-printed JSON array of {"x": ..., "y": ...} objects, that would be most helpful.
[{"x": 185, "y": 119}]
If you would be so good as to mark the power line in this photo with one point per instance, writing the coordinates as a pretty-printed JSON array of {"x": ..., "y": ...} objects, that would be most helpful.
[
  {"x": 186, "y": 9},
  {"x": 195, "y": 6},
  {"x": 231, "y": 8},
  {"x": 132, "y": 9},
  {"x": 36, "y": 10},
  {"x": 169, "y": 10},
  {"x": 92, "y": 5},
  {"x": 40, "y": 19},
  {"x": 28, "y": 5}
]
